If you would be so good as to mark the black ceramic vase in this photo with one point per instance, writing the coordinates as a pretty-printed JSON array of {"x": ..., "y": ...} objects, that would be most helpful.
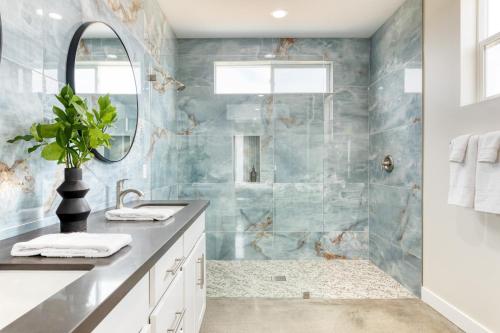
[{"x": 74, "y": 209}]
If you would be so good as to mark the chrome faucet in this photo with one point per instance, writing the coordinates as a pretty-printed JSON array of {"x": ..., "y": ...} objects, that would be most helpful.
[{"x": 121, "y": 193}]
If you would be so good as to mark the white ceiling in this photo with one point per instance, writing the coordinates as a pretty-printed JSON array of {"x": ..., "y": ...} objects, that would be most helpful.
[{"x": 251, "y": 18}]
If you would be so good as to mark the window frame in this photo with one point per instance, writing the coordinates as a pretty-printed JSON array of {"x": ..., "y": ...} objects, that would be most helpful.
[
  {"x": 483, "y": 43},
  {"x": 278, "y": 64}
]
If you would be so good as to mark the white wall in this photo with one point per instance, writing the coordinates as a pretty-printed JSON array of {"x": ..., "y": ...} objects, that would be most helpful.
[{"x": 461, "y": 246}]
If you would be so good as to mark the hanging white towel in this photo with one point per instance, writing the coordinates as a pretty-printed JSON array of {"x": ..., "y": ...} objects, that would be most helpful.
[
  {"x": 458, "y": 146},
  {"x": 489, "y": 144},
  {"x": 138, "y": 214},
  {"x": 77, "y": 244},
  {"x": 463, "y": 176},
  {"x": 487, "y": 198}
]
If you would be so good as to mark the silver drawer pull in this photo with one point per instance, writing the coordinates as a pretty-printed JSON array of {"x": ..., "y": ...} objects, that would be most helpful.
[
  {"x": 175, "y": 268},
  {"x": 201, "y": 280},
  {"x": 179, "y": 317}
]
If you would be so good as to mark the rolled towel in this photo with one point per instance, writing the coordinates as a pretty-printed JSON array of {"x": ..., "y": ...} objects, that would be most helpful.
[
  {"x": 458, "y": 147},
  {"x": 138, "y": 214},
  {"x": 489, "y": 144},
  {"x": 77, "y": 244},
  {"x": 463, "y": 177}
]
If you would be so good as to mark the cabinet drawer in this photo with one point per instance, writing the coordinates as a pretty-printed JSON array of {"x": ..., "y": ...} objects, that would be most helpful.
[
  {"x": 168, "y": 316},
  {"x": 193, "y": 233},
  {"x": 130, "y": 314},
  {"x": 165, "y": 270}
]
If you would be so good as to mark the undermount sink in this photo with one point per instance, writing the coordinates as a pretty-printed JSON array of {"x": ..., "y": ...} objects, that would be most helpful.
[
  {"x": 162, "y": 208},
  {"x": 24, "y": 289}
]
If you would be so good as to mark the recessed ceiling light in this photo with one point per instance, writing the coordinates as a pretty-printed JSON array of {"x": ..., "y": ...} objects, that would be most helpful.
[
  {"x": 279, "y": 13},
  {"x": 55, "y": 16},
  {"x": 39, "y": 12}
]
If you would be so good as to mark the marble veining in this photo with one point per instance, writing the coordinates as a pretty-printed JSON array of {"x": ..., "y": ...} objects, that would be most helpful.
[
  {"x": 126, "y": 12},
  {"x": 322, "y": 194},
  {"x": 32, "y": 70},
  {"x": 312, "y": 198},
  {"x": 340, "y": 279},
  {"x": 395, "y": 119}
]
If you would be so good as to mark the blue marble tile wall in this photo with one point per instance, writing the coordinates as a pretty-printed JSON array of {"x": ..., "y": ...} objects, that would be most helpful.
[
  {"x": 311, "y": 202},
  {"x": 32, "y": 69},
  {"x": 395, "y": 99}
]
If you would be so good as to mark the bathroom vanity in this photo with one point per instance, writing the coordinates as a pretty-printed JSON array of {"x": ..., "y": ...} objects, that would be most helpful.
[{"x": 156, "y": 284}]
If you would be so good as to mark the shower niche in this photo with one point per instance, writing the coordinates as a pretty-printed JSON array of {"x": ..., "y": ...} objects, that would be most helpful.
[{"x": 246, "y": 159}]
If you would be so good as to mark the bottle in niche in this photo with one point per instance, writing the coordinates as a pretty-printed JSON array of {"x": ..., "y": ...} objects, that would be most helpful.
[{"x": 253, "y": 175}]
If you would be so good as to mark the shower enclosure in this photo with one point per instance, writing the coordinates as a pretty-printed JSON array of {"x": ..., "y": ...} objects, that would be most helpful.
[{"x": 286, "y": 138}]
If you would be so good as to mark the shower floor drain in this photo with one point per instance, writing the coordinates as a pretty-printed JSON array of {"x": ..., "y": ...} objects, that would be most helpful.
[{"x": 279, "y": 278}]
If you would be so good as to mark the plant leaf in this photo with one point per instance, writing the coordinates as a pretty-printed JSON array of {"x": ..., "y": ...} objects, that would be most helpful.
[
  {"x": 27, "y": 137},
  {"x": 95, "y": 137},
  {"x": 35, "y": 133},
  {"x": 52, "y": 152},
  {"x": 80, "y": 108},
  {"x": 49, "y": 130},
  {"x": 60, "y": 113},
  {"x": 35, "y": 147}
]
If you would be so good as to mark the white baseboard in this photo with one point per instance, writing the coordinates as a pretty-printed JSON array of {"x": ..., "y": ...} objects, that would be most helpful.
[{"x": 452, "y": 313}]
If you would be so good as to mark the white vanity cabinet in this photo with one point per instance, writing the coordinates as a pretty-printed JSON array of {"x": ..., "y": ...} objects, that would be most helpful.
[
  {"x": 200, "y": 294},
  {"x": 171, "y": 298},
  {"x": 169, "y": 314},
  {"x": 131, "y": 314},
  {"x": 195, "y": 287}
]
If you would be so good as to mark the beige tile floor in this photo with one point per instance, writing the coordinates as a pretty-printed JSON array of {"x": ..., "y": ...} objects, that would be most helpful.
[{"x": 260, "y": 315}]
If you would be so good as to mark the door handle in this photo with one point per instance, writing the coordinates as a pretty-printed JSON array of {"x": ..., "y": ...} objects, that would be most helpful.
[
  {"x": 175, "y": 268},
  {"x": 178, "y": 321},
  {"x": 201, "y": 280}
]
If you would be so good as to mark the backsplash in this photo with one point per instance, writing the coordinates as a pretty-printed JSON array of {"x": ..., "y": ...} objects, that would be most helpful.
[
  {"x": 396, "y": 128},
  {"x": 311, "y": 201},
  {"x": 36, "y": 37}
]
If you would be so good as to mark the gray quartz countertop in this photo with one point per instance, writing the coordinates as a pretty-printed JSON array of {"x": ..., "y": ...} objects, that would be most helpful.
[{"x": 81, "y": 305}]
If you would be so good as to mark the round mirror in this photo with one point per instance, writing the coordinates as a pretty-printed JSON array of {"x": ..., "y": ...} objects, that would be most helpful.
[{"x": 98, "y": 64}]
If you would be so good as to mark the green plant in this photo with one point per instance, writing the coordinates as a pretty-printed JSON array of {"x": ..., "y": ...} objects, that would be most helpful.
[{"x": 75, "y": 131}]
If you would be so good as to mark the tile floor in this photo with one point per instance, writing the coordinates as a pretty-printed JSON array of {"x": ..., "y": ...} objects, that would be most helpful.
[{"x": 336, "y": 279}]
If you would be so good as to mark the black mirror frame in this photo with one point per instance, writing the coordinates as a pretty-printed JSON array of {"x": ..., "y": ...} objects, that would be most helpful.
[{"x": 70, "y": 79}]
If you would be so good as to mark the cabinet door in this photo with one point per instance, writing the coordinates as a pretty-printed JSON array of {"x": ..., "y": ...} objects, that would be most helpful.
[
  {"x": 201, "y": 281},
  {"x": 169, "y": 314},
  {"x": 195, "y": 287},
  {"x": 131, "y": 314},
  {"x": 189, "y": 271}
]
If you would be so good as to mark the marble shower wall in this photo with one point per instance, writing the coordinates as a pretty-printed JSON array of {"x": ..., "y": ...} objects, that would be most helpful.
[
  {"x": 32, "y": 69},
  {"x": 395, "y": 98},
  {"x": 311, "y": 201}
]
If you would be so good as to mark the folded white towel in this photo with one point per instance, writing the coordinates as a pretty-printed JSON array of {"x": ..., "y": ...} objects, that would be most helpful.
[
  {"x": 487, "y": 198},
  {"x": 458, "y": 146},
  {"x": 489, "y": 144},
  {"x": 138, "y": 214},
  {"x": 77, "y": 244},
  {"x": 463, "y": 177}
]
